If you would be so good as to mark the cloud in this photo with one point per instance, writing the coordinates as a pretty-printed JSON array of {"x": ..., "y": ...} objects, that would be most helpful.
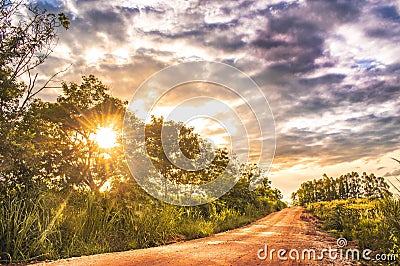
[
  {"x": 323, "y": 80},
  {"x": 122, "y": 79},
  {"x": 328, "y": 68},
  {"x": 388, "y": 12}
]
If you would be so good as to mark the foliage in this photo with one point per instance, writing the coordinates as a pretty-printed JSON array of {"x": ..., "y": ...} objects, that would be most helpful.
[
  {"x": 349, "y": 186},
  {"x": 25, "y": 227},
  {"x": 27, "y": 38},
  {"x": 77, "y": 160},
  {"x": 373, "y": 224},
  {"x": 188, "y": 143},
  {"x": 181, "y": 140}
]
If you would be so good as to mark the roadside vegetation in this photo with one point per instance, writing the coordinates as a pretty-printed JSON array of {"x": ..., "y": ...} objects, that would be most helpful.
[
  {"x": 357, "y": 208},
  {"x": 65, "y": 190},
  {"x": 41, "y": 223}
]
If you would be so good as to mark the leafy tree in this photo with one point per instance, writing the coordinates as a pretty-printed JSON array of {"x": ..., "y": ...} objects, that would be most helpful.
[
  {"x": 78, "y": 113},
  {"x": 27, "y": 36},
  {"x": 355, "y": 185},
  {"x": 188, "y": 144},
  {"x": 240, "y": 196}
]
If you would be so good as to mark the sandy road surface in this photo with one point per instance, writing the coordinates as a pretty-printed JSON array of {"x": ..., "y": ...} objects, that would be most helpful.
[{"x": 287, "y": 229}]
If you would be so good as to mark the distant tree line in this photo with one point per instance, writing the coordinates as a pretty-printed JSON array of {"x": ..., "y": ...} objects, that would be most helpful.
[{"x": 348, "y": 186}]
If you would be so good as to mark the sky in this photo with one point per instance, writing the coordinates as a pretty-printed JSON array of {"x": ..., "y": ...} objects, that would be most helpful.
[{"x": 330, "y": 70}]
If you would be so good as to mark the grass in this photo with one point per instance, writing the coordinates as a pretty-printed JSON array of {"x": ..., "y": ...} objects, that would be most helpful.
[
  {"x": 54, "y": 225},
  {"x": 373, "y": 224}
]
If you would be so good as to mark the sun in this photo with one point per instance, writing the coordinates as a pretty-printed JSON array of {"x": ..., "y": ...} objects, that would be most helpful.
[{"x": 105, "y": 137}]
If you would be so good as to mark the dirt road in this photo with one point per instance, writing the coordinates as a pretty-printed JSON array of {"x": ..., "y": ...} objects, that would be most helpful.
[{"x": 287, "y": 229}]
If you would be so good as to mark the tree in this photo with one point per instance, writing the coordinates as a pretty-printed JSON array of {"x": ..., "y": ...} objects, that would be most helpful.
[
  {"x": 27, "y": 36},
  {"x": 77, "y": 159},
  {"x": 354, "y": 185},
  {"x": 188, "y": 143},
  {"x": 240, "y": 196}
]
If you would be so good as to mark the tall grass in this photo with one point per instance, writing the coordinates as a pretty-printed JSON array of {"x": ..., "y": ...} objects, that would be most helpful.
[
  {"x": 53, "y": 225},
  {"x": 26, "y": 228},
  {"x": 373, "y": 224}
]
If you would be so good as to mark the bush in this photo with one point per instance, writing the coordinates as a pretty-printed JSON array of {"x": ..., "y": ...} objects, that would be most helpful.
[{"x": 374, "y": 224}]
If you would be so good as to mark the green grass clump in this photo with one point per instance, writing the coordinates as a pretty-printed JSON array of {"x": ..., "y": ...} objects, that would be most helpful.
[{"x": 373, "y": 224}]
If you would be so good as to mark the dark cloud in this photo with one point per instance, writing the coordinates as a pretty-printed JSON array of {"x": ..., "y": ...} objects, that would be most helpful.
[
  {"x": 271, "y": 9},
  {"x": 297, "y": 53},
  {"x": 378, "y": 33},
  {"x": 377, "y": 93},
  {"x": 324, "y": 80},
  {"x": 110, "y": 22},
  {"x": 393, "y": 68},
  {"x": 183, "y": 34},
  {"x": 222, "y": 26},
  {"x": 226, "y": 43},
  {"x": 151, "y": 9},
  {"x": 379, "y": 136},
  {"x": 128, "y": 11},
  {"x": 337, "y": 10},
  {"x": 268, "y": 44},
  {"x": 387, "y": 23},
  {"x": 302, "y": 36},
  {"x": 388, "y": 12}
]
